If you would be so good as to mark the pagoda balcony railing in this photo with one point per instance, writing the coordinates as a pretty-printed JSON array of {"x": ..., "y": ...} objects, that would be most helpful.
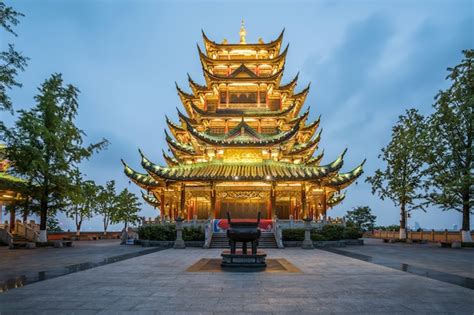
[
  {"x": 159, "y": 221},
  {"x": 293, "y": 224},
  {"x": 240, "y": 106}
]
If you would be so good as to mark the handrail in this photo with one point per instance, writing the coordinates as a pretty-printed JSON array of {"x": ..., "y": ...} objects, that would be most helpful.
[
  {"x": 6, "y": 237},
  {"x": 31, "y": 234},
  {"x": 208, "y": 232},
  {"x": 278, "y": 233}
]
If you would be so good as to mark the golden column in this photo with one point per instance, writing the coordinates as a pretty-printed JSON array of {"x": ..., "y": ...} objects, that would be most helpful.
[{"x": 182, "y": 200}]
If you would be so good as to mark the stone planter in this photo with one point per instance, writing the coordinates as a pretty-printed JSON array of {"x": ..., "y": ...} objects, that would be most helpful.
[
  {"x": 292, "y": 243},
  {"x": 168, "y": 244},
  {"x": 164, "y": 244},
  {"x": 329, "y": 243},
  {"x": 194, "y": 243},
  {"x": 354, "y": 242}
]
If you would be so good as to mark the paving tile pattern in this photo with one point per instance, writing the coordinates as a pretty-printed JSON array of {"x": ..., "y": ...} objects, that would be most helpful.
[
  {"x": 14, "y": 263},
  {"x": 159, "y": 284},
  {"x": 454, "y": 261}
]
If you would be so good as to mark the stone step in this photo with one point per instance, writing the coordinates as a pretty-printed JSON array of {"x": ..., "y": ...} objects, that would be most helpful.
[
  {"x": 22, "y": 244},
  {"x": 219, "y": 240}
]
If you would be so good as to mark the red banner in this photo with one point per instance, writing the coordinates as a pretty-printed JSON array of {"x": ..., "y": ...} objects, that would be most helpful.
[{"x": 222, "y": 225}]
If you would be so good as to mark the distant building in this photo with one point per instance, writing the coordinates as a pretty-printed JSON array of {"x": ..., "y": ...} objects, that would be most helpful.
[{"x": 417, "y": 226}]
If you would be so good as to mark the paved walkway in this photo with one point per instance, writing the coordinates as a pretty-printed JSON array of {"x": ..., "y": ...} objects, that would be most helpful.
[
  {"x": 454, "y": 261},
  {"x": 18, "y": 262},
  {"x": 158, "y": 283}
]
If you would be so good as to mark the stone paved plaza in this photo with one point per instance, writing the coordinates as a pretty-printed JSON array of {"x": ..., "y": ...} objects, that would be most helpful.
[
  {"x": 14, "y": 263},
  {"x": 453, "y": 261},
  {"x": 159, "y": 283}
]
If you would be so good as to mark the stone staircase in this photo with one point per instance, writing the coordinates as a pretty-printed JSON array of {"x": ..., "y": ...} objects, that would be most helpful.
[
  {"x": 19, "y": 241},
  {"x": 267, "y": 240}
]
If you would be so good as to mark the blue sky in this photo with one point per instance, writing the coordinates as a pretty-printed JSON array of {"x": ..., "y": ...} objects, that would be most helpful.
[{"x": 367, "y": 62}]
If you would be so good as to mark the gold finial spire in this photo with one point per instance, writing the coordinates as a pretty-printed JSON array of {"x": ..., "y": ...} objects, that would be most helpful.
[{"x": 242, "y": 33}]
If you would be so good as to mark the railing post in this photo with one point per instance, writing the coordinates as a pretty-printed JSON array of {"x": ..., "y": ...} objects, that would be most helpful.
[
  {"x": 208, "y": 233},
  {"x": 277, "y": 232}
]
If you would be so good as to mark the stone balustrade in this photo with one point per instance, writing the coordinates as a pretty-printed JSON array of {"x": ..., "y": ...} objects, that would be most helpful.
[{"x": 428, "y": 235}]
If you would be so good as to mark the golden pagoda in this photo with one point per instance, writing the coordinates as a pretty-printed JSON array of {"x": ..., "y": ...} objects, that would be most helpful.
[{"x": 242, "y": 143}]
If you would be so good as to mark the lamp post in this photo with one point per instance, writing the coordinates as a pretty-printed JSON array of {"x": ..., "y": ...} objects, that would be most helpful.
[
  {"x": 307, "y": 243},
  {"x": 179, "y": 243}
]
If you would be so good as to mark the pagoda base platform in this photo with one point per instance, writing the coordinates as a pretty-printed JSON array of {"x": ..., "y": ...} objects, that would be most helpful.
[{"x": 243, "y": 261}]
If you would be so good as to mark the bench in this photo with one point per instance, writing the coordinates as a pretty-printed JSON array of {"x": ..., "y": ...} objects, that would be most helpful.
[
  {"x": 447, "y": 244},
  {"x": 444, "y": 244}
]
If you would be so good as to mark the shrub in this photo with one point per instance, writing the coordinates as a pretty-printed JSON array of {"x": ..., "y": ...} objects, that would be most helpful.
[
  {"x": 165, "y": 232},
  {"x": 193, "y": 233},
  {"x": 317, "y": 236},
  {"x": 388, "y": 228},
  {"x": 332, "y": 232},
  {"x": 327, "y": 233},
  {"x": 352, "y": 233},
  {"x": 293, "y": 234}
]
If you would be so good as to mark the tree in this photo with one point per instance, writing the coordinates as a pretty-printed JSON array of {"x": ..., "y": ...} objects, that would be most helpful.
[
  {"x": 362, "y": 218},
  {"x": 450, "y": 156},
  {"x": 82, "y": 201},
  {"x": 46, "y": 146},
  {"x": 402, "y": 179},
  {"x": 11, "y": 61},
  {"x": 52, "y": 224},
  {"x": 106, "y": 203},
  {"x": 128, "y": 206}
]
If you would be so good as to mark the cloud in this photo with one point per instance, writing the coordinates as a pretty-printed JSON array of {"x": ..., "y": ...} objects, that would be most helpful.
[{"x": 367, "y": 61}]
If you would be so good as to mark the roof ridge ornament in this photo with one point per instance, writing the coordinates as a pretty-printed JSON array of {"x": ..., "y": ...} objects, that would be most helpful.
[{"x": 242, "y": 33}]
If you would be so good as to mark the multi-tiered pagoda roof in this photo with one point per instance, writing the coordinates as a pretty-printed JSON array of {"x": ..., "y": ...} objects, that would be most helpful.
[{"x": 243, "y": 125}]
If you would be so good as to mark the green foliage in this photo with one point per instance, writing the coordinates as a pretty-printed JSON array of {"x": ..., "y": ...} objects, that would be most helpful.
[
  {"x": 82, "y": 200},
  {"x": 450, "y": 156},
  {"x": 127, "y": 208},
  {"x": 166, "y": 232},
  {"x": 115, "y": 208},
  {"x": 46, "y": 145},
  {"x": 332, "y": 232},
  {"x": 317, "y": 236},
  {"x": 352, "y": 233},
  {"x": 293, "y": 234},
  {"x": 402, "y": 179},
  {"x": 11, "y": 61},
  {"x": 193, "y": 233},
  {"x": 327, "y": 233},
  {"x": 388, "y": 228},
  {"x": 106, "y": 203},
  {"x": 52, "y": 225},
  {"x": 362, "y": 218}
]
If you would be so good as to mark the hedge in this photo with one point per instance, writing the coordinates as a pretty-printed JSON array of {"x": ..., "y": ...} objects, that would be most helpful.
[
  {"x": 167, "y": 232},
  {"x": 327, "y": 233}
]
